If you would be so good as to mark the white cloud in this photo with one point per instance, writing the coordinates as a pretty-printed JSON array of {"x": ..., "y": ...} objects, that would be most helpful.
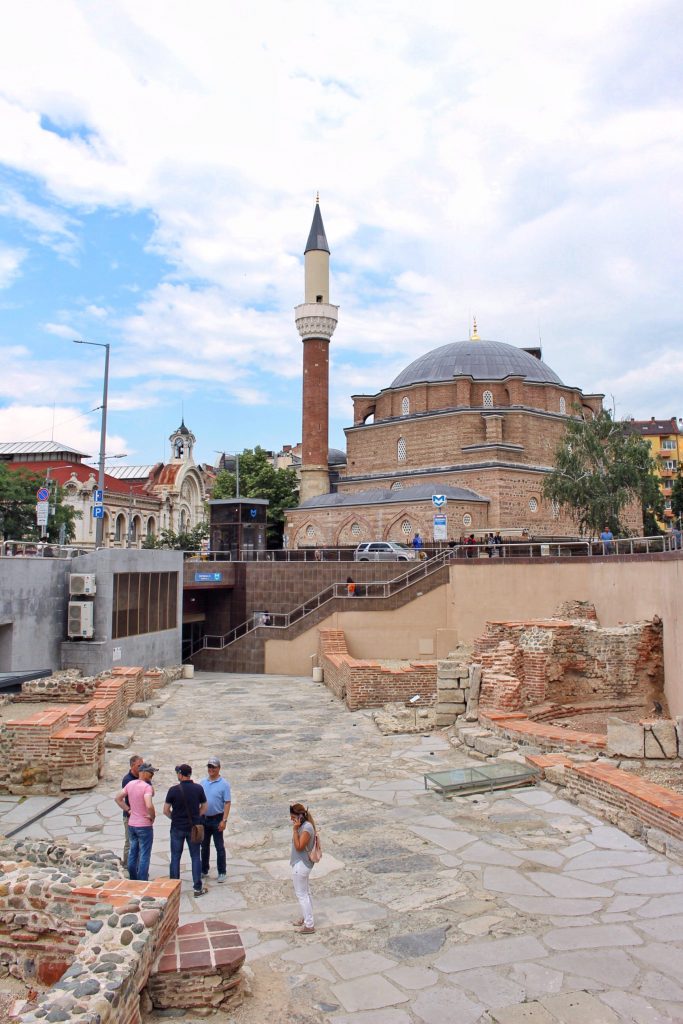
[
  {"x": 52, "y": 227},
  {"x": 487, "y": 159},
  {"x": 10, "y": 263},
  {"x": 61, "y": 330},
  {"x": 23, "y": 422}
]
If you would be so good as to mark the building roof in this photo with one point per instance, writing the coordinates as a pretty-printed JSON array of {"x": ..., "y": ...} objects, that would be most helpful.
[
  {"x": 38, "y": 448},
  {"x": 62, "y": 472},
  {"x": 316, "y": 236},
  {"x": 653, "y": 427},
  {"x": 481, "y": 360},
  {"x": 130, "y": 472},
  {"x": 420, "y": 492},
  {"x": 336, "y": 457}
]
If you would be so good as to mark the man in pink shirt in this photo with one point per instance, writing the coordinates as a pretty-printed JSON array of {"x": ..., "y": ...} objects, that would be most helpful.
[{"x": 139, "y": 796}]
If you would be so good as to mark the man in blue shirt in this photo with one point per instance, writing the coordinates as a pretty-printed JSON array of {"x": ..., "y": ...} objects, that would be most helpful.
[{"x": 218, "y": 799}]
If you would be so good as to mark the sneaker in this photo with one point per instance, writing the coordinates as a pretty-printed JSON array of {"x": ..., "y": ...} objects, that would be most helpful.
[
  {"x": 200, "y": 892},
  {"x": 222, "y": 878},
  {"x": 205, "y": 874}
]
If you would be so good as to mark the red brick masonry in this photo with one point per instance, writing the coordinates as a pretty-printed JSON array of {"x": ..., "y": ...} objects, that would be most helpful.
[
  {"x": 198, "y": 967},
  {"x": 370, "y": 684},
  {"x": 654, "y": 806},
  {"x": 516, "y": 726}
]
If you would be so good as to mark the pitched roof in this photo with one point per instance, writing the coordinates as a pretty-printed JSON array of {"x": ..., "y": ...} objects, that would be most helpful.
[
  {"x": 653, "y": 427},
  {"x": 316, "y": 236},
  {"x": 38, "y": 448}
]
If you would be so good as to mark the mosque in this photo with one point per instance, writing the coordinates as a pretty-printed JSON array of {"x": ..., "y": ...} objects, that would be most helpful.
[{"x": 473, "y": 424}]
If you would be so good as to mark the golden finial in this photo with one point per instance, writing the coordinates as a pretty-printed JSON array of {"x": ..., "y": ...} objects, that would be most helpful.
[
  {"x": 474, "y": 336},
  {"x": 317, "y": 198}
]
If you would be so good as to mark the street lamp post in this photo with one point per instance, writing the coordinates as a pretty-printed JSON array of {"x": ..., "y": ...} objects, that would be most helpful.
[{"x": 99, "y": 526}]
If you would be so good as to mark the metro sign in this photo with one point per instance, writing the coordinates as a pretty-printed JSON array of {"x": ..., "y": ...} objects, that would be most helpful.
[{"x": 439, "y": 500}]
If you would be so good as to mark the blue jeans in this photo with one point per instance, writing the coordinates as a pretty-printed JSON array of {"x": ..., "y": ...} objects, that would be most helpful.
[
  {"x": 141, "y": 839},
  {"x": 211, "y": 823},
  {"x": 179, "y": 836}
]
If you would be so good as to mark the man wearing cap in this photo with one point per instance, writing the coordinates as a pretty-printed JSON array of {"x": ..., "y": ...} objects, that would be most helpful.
[
  {"x": 184, "y": 805},
  {"x": 137, "y": 798},
  {"x": 132, "y": 774},
  {"x": 218, "y": 798}
]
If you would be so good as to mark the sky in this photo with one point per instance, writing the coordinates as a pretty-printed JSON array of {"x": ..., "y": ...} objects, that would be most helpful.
[{"x": 159, "y": 163}]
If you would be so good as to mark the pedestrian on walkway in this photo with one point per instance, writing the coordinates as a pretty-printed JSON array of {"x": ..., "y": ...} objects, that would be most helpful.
[
  {"x": 185, "y": 804},
  {"x": 303, "y": 840},
  {"x": 138, "y": 796},
  {"x": 350, "y": 587},
  {"x": 131, "y": 775},
  {"x": 218, "y": 801}
]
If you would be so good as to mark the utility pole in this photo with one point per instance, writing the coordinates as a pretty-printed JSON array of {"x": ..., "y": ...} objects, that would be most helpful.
[{"x": 99, "y": 525}]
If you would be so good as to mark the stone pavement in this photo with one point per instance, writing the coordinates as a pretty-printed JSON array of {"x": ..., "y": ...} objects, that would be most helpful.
[{"x": 510, "y": 907}]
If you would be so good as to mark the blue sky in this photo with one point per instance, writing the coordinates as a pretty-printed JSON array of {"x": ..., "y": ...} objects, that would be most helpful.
[{"x": 158, "y": 168}]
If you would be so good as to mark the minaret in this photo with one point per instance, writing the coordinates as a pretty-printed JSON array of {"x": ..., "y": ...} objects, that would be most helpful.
[{"x": 315, "y": 320}]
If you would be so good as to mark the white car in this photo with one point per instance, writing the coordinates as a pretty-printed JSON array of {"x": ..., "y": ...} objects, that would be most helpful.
[{"x": 383, "y": 551}]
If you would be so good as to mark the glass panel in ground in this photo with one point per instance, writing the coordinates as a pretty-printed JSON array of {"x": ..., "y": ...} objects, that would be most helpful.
[{"x": 484, "y": 777}]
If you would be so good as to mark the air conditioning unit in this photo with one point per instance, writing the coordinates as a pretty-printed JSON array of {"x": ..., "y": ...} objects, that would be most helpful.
[
  {"x": 81, "y": 622},
  {"x": 82, "y": 583}
]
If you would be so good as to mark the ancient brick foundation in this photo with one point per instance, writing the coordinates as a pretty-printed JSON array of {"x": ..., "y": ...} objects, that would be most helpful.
[
  {"x": 105, "y": 945},
  {"x": 561, "y": 659},
  {"x": 62, "y": 748},
  {"x": 370, "y": 684}
]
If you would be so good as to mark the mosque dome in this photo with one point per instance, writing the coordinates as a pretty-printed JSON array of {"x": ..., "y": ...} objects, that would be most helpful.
[{"x": 481, "y": 360}]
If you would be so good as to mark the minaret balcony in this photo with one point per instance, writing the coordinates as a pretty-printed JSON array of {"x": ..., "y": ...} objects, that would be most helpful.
[{"x": 316, "y": 319}]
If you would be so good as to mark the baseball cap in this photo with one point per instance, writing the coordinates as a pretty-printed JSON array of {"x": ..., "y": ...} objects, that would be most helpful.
[
  {"x": 213, "y": 762},
  {"x": 146, "y": 767},
  {"x": 183, "y": 769}
]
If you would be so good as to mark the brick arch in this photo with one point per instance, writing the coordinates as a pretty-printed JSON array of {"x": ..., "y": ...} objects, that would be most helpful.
[
  {"x": 365, "y": 524},
  {"x": 300, "y": 535},
  {"x": 395, "y": 526}
]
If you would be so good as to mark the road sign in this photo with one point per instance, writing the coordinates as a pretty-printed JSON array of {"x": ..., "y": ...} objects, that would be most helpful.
[
  {"x": 42, "y": 512},
  {"x": 98, "y": 511},
  {"x": 43, "y": 494},
  {"x": 98, "y": 497},
  {"x": 439, "y": 500}
]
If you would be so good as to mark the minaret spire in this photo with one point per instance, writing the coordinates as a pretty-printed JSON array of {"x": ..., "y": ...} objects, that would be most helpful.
[
  {"x": 474, "y": 335},
  {"x": 316, "y": 320}
]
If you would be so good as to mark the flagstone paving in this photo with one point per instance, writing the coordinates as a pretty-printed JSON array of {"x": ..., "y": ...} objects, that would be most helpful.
[{"x": 508, "y": 907}]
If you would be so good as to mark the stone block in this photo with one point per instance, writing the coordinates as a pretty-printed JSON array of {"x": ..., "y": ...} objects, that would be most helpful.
[
  {"x": 443, "y": 720},
  {"x": 140, "y": 710},
  {"x": 660, "y": 739},
  {"x": 449, "y": 695},
  {"x": 450, "y": 708},
  {"x": 625, "y": 739},
  {"x": 555, "y": 773},
  {"x": 118, "y": 740},
  {"x": 656, "y": 839},
  {"x": 84, "y": 777},
  {"x": 487, "y": 745}
]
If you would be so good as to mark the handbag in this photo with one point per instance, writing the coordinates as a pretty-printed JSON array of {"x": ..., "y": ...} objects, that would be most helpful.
[
  {"x": 196, "y": 831},
  {"x": 316, "y": 853}
]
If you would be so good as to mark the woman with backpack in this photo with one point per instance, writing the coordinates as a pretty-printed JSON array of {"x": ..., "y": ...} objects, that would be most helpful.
[{"x": 303, "y": 845}]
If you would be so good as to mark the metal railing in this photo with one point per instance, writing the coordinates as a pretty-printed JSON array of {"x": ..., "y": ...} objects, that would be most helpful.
[
  {"x": 39, "y": 549},
  {"x": 356, "y": 592}
]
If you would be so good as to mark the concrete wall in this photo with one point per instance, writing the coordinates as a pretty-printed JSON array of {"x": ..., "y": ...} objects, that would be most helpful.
[
  {"x": 622, "y": 590},
  {"x": 33, "y": 596},
  {"x": 33, "y": 610},
  {"x": 417, "y": 631}
]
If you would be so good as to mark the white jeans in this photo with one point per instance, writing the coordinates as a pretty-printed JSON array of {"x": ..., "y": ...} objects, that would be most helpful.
[{"x": 300, "y": 876}]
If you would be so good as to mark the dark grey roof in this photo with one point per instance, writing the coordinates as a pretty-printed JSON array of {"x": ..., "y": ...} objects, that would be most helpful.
[
  {"x": 336, "y": 457},
  {"x": 182, "y": 429},
  {"x": 482, "y": 360},
  {"x": 420, "y": 492},
  {"x": 316, "y": 236}
]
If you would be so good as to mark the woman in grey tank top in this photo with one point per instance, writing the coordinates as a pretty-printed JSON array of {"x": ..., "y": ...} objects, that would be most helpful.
[{"x": 303, "y": 838}]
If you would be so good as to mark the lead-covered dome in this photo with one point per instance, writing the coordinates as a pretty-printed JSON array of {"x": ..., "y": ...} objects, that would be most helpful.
[{"x": 482, "y": 360}]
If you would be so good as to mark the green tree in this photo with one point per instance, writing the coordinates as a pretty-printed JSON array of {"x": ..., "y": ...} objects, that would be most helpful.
[
  {"x": 258, "y": 479},
  {"x": 677, "y": 496},
  {"x": 601, "y": 467},
  {"x": 18, "y": 507},
  {"x": 186, "y": 540}
]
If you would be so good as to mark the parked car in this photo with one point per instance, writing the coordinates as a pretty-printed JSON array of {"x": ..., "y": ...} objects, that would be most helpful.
[{"x": 383, "y": 551}]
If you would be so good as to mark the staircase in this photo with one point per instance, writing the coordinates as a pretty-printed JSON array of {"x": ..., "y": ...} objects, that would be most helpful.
[{"x": 243, "y": 648}]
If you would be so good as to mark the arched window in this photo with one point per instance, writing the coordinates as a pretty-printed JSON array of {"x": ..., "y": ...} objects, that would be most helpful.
[
  {"x": 467, "y": 519},
  {"x": 397, "y": 486},
  {"x": 355, "y": 529},
  {"x": 533, "y": 505},
  {"x": 563, "y": 407},
  {"x": 488, "y": 399},
  {"x": 405, "y": 406},
  {"x": 120, "y": 528},
  {"x": 406, "y": 527},
  {"x": 310, "y": 531},
  {"x": 401, "y": 449},
  {"x": 150, "y": 527}
]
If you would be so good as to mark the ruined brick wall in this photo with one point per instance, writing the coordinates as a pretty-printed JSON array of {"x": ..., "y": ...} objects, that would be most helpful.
[
  {"x": 654, "y": 806},
  {"x": 367, "y": 683},
  {"x": 529, "y": 663}
]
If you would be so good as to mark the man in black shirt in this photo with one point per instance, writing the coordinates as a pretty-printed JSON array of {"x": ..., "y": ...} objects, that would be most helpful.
[
  {"x": 133, "y": 773},
  {"x": 184, "y": 805}
]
